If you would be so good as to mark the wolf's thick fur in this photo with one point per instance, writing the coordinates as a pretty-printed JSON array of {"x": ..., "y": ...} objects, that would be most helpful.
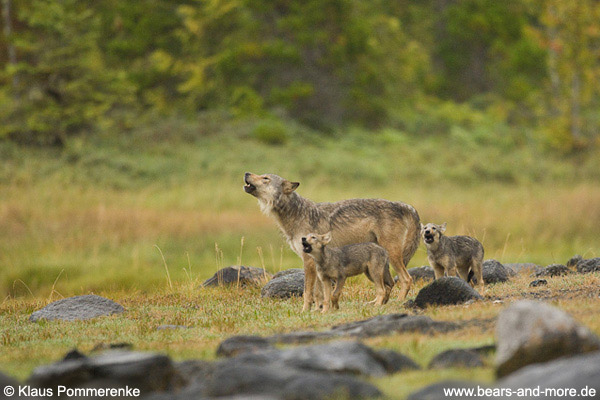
[
  {"x": 339, "y": 263},
  {"x": 455, "y": 255},
  {"x": 392, "y": 225}
]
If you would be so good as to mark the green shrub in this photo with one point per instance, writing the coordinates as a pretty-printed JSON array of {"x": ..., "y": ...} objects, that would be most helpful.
[{"x": 271, "y": 132}]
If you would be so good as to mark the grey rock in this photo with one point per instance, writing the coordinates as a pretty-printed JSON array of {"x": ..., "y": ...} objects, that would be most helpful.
[
  {"x": 377, "y": 326},
  {"x": 287, "y": 272},
  {"x": 436, "y": 391},
  {"x": 424, "y": 273},
  {"x": 77, "y": 308},
  {"x": 302, "y": 337},
  {"x": 578, "y": 372},
  {"x": 395, "y": 362},
  {"x": 530, "y": 332},
  {"x": 340, "y": 357},
  {"x": 587, "y": 266},
  {"x": 446, "y": 291},
  {"x": 237, "y": 345},
  {"x": 230, "y": 379},
  {"x": 393, "y": 323},
  {"x": 285, "y": 286},
  {"x": 494, "y": 272},
  {"x": 461, "y": 358},
  {"x": 552, "y": 270},
  {"x": 5, "y": 381},
  {"x": 573, "y": 261},
  {"x": 145, "y": 371},
  {"x": 238, "y": 274},
  {"x": 538, "y": 282},
  {"x": 518, "y": 267}
]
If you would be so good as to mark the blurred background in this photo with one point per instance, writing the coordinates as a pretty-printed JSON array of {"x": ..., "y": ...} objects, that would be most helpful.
[{"x": 126, "y": 127}]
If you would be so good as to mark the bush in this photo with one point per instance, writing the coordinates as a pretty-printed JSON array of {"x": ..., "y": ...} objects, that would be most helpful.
[{"x": 271, "y": 132}]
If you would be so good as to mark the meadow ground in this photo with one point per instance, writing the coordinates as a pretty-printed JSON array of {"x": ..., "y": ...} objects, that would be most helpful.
[
  {"x": 98, "y": 216},
  {"x": 215, "y": 314}
]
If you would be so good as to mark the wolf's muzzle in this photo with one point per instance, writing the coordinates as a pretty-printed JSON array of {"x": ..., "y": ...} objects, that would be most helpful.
[
  {"x": 306, "y": 247},
  {"x": 428, "y": 237},
  {"x": 248, "y": 188}
]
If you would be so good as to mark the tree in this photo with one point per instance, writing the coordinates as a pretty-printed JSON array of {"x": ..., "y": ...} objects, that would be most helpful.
[{"x": 65, "y": 85}]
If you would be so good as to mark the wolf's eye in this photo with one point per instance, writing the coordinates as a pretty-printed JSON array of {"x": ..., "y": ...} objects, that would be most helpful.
[
  {"x": 433, "y": 229},
  {"x": 266, "y": 179}
]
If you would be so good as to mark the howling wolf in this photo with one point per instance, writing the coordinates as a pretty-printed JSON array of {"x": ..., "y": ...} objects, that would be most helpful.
[{"x": 395, "y": 226}]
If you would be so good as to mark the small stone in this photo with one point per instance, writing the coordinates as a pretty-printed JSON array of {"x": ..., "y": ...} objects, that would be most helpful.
[{"x": 538, "y": 282}]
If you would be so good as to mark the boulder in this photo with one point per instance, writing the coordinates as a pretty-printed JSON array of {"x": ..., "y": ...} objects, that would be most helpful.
[
  {"x": 77, "y": 308},
  {"x": 285, "y": 272},
  {"x": 424, "y": 273},
  {"x": 395, "y": 362},
  {"x": 346, "y": 357},
  {"x": 587, "y": 266},
  {"x": 456, "y": 358},
  {"x": 377, "y": 326},
  {"x": 393, "y": 323},
  {"x": 234, "y": 378},
  {"x": 6, "y": 382},
  {"x": 145, "y": 371},
  {"x": 494, "y": 272},
  {"x": 238, "y": 274},
  {"x": 518, "y": 267},
  {"x": 552, "y": 270},
  {"x": 580, "y": 372},
  {"x": 437, "y": 390},
  {"x": 530, "y": 332},
  {"x": 573, "y": 261},
  {"x": 446, "y": 291},
  {"x": 237, "y": 345},
  {"x": 284, "y": 286}
]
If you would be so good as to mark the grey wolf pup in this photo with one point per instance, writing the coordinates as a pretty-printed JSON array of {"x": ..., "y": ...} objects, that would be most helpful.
[
  {"x": 392, "y": 225},
  {"x": 455, "y": 255},
  {"x": 339, "y": 263}
]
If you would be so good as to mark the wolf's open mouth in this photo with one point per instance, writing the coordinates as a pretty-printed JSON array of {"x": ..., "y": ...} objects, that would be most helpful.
[
  {"x": 248, "y": 187},
  {"x": 428, "y": 238},
  {"x": 306, "y": 247}
]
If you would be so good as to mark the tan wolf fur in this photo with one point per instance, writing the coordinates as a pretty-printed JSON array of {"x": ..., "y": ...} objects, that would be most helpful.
[
  {"x": 454, "y": 255},
  {"x": 392, "y": 225},
  {"x": 338, "y": 263}
]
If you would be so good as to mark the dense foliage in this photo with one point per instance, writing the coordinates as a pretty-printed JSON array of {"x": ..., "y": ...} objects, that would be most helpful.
[{"x": 524, "y": 68}]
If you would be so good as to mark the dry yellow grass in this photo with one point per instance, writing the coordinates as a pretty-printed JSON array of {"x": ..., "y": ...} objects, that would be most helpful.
[{"x": 215, "y": 314}]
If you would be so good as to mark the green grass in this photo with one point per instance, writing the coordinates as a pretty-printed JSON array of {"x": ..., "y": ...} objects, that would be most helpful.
[
  {"x": 90, "y": 218},
  {"x": 91, "y": 214},
  {"x": 212, "y": 318}
]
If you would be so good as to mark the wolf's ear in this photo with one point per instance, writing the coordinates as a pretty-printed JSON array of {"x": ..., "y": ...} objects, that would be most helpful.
[
  {"x": 443, "y": 227},
  {"x": 289, "y": 187},
  {"x": 326, "y": 238}
]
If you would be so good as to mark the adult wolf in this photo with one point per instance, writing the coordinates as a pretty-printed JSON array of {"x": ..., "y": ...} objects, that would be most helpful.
[{"x": 395, "y": 226}]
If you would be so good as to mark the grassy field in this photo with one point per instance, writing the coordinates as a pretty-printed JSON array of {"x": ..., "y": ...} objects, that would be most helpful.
[
  {"x": 213, "y": 319},
  {"x": 96, "y": 216}
]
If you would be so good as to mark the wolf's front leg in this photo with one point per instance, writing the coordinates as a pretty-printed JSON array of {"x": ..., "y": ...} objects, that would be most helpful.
[
  {"x": 310, "y": 278},
  {"x": 326, "y": 285}
]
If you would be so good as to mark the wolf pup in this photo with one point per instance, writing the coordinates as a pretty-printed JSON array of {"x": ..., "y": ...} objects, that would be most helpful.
[
  {"x": 391, "y": 224},
  {"x": 339, "y": 263},
  {"x": 452, "y": 254}
]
